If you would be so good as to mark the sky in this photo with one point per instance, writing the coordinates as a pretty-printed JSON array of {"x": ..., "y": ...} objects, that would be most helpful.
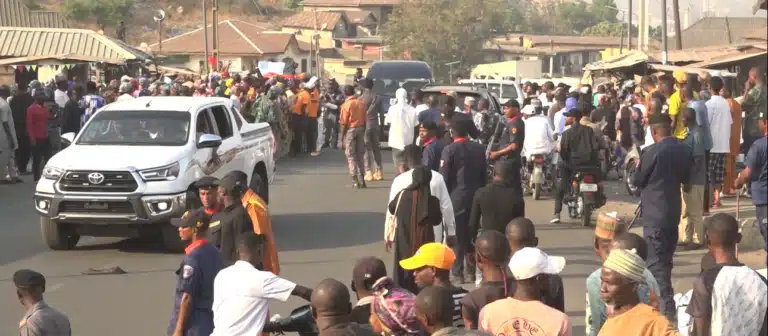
[{"x": 731, "y": 8}]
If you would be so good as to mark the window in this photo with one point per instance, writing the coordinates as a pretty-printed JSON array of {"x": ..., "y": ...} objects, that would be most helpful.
[
  {"x": 203, "y": 123},
  {"x": 238, "y": 120},
  {"x": 303, "y": 65},
  {"x": 221, "y": 117}
]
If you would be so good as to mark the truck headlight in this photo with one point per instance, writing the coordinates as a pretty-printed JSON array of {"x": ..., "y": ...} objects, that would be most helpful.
[
  {"x": 52, "y": 173},
  {"x": 167, "y": 173}
]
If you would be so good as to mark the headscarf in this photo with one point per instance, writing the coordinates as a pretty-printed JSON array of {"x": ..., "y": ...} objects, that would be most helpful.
[{"x": 395, "y": 308}]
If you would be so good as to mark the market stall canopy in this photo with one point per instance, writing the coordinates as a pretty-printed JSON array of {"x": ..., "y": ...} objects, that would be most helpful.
[
  {"x": 760, "y": 4},
  {"x": 692, "y": 70},
  {"x": 622, "y": 61},
  {"x": 77, "y": 44}
]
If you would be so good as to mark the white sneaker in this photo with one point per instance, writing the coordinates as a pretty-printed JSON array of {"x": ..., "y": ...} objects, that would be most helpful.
[{"x": 555, "y": 220}]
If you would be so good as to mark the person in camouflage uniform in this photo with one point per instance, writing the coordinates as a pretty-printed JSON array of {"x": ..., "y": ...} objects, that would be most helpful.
[
  {"x": 755, "y": 101},
  {"x": 284, "y": 136}
]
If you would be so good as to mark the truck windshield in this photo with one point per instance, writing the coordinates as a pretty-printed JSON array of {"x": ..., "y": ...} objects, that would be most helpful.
[
  {"x": 508, "y": 91},
  {"x": 137, "y": 128}
]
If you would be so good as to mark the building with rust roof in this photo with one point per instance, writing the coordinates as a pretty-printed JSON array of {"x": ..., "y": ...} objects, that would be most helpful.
[
  {"x": 380, "y": 9},
  {"x": 241, "y": 45}
]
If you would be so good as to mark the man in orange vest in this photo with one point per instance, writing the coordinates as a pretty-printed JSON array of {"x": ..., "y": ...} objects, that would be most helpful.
[{"x": 257, "y": 209}]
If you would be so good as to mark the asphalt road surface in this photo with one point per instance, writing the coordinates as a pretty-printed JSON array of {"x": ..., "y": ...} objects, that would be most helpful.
[{"x": 321, "y": 226}]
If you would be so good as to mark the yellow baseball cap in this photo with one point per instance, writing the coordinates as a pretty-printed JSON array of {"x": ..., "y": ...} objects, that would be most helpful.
[
  {"x": 431, "y": 254},
  {"x": 680, "y": 76}
]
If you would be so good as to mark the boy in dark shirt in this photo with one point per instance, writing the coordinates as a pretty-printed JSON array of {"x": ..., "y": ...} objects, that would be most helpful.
[
  {"x": 492, "y": 255},
  {"x": 521, "y": 233}
]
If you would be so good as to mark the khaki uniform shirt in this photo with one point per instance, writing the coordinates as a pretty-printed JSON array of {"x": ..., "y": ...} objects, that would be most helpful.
[{"x": 42, "y": 320}]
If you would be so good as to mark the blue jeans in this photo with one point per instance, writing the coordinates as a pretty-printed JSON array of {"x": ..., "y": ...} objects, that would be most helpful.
[{"x": 761, "y": 212}]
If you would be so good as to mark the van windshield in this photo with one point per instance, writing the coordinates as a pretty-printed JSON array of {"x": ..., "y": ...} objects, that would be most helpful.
[{"x": 388, "y": 86}]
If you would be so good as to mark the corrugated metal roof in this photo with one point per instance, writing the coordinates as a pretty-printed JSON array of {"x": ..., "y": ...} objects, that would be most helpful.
[
  {"x": 13, "y": 13},
  {"x": 25, "y": 42}
]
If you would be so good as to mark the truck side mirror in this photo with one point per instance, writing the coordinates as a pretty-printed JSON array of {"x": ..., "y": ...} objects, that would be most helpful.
[
  {"x": 68, "y": 138},
  {"x": 209, "y": 141}
]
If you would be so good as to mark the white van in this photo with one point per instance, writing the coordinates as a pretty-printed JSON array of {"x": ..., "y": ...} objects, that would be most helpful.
[{"x": 504, "y": 90}]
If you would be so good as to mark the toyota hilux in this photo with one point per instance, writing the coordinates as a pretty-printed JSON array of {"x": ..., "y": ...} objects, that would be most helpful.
[{"x": 133, "y": 165}]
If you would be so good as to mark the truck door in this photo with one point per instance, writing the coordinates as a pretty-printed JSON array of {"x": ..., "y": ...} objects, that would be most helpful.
[{"x": 231, "y": 150}]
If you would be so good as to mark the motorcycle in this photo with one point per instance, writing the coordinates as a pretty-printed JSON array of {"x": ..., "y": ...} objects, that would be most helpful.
[
  {"x": 586, "y": 196},
  {"x": 299, "y": 321},
  {"x": 629, "y": 168},
  {"x": 538, "y": 176}
]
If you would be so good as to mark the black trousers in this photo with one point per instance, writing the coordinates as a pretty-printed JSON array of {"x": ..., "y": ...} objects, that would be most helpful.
[
  {"x": 662, "y": 243},
  {"x": 23, "y": 151},
  {"x": 311, "y": 134},
  {"x": 41, "y": 153},
  {"x": 298, "y": 126},
  {"x": 563, "y": 181}
]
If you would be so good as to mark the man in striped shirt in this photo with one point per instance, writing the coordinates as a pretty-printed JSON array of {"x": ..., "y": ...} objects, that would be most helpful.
[{"x": 431, "y": 266}]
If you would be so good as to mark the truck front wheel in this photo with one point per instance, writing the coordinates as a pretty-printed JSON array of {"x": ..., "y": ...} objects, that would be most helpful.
[{"x": 57, "y": 236}]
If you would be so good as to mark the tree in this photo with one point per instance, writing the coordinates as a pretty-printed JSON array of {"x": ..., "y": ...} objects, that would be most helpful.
[
  {"x": 440, "y": 32},
  {"x": 107, "y": 12},
  {"x": 604, "y": 10},
  {"x": 608, "y": 29},
  {"x": 655, "y": 33},
  {"x": 578, "y": 14}
]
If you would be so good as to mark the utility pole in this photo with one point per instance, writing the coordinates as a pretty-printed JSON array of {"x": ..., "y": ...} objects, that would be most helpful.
[
  {"x": 216, "y": 34},
  {"x": 664, "y": 31},
  {"x": 314, "y": 64},
  {"x": 205, "y": 31},
  {"x": 678, "y": 31},
  {"x": 629, "y": 27},
  {"x": 621, "y": 43}
]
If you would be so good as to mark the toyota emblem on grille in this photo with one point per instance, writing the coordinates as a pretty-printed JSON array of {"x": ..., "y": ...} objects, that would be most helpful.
[{"x": 96, "y": 178}]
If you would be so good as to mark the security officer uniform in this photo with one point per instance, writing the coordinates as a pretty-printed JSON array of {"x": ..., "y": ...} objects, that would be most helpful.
[
  {"x": 195, "y": 276},
  {"x": 228, "y": 224},
  {"x": 664, "y": 168},
  {"x": 513, "y": 133},
  {"x": 40, "y": 319},
  {"x": 463, "y": 165}
]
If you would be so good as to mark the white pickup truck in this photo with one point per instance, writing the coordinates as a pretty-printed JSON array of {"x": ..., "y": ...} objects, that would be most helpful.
[{"x": 132, "y": 166}]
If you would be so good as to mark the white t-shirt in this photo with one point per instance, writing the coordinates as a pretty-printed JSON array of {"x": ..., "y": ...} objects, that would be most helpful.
[
  {"x": 402, "y": 119},
  {"x": 739, "y": 301},
  {"x": 720, "y": 121},
  {"x": 61, "y": 98},
  {"x": 6, "y": 117},
  {"x": 539, "y": 138},
  {"x": 421, "y": 107},
  {"x": 240, "y": 294},
  {"x": 124, "y": 96}
]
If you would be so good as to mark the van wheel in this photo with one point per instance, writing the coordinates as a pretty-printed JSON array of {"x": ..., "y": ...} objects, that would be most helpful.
[
  {"x": 260, "y": 186},
  {"x": 170, "y": 238},
  {"x": 57, "y": 236}
]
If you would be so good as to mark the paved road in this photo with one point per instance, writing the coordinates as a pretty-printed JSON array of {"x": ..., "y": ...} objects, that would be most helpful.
[{"x": 322, "y": 226}]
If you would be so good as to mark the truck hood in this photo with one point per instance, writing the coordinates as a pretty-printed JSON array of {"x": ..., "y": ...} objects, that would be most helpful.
[{"x": 116, "y": 157}]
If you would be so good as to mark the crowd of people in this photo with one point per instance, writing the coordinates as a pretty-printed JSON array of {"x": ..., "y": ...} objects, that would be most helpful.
[{"x": 448, "y": 224}]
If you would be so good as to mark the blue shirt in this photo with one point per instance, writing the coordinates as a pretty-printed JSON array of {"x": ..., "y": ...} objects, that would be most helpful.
[
  {"x": 757, "y": 161},
  {"x": 702, "y": 120},
  {"x": 596, "y": 308},
  {"x": 195, "y": 277},
  {"x": 432, "y": 114},
  {"x": 431, "y": 154}
]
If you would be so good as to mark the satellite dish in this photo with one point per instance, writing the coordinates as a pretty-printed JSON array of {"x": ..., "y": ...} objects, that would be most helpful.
[{"x": 159, "y": 15}]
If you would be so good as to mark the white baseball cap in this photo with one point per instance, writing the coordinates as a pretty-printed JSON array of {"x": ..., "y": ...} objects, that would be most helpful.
[
  {"x": 530, "y": 262},
  {"x": 528, "y": 110}
]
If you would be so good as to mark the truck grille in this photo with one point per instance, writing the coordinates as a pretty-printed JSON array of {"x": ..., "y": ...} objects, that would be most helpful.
[
  {"x": 112, "y": 181},
  {"x": 113, "y": 207}
]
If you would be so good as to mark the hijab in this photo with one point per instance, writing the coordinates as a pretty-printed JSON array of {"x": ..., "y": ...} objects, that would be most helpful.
[{"x": 395, "y": 308}]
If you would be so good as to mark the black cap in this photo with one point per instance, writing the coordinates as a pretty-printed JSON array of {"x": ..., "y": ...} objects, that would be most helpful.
[
  {"x": 659, "y": 119},
  {"x": 367, "y": 271},
  {"x": 512, "y": 103},
  {"x": 234, "y": 179},
  {"x": 28, "y": 279},
  {"x": 207, "y": 182},
  {"x": 429, "y": 125},
  {"x": 195, "y": 218}
]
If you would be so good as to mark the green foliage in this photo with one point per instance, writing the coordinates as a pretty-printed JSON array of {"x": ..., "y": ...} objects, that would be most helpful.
[
  {"x": 655, "y": 33},
  {"x": 440, "y": 32},
  {"x": 32, "y": 4},
  {"x": 609, "y": 29},
  {"x": 580, "y": 15},
  {"x": 106, "y": 12},
  {"x": 291, "y": 4}
]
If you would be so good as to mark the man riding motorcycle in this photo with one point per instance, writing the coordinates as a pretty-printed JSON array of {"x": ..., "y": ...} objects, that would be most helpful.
[
  {"x": 540, "y": 138},
  {"x": 579, "y": 152}
]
